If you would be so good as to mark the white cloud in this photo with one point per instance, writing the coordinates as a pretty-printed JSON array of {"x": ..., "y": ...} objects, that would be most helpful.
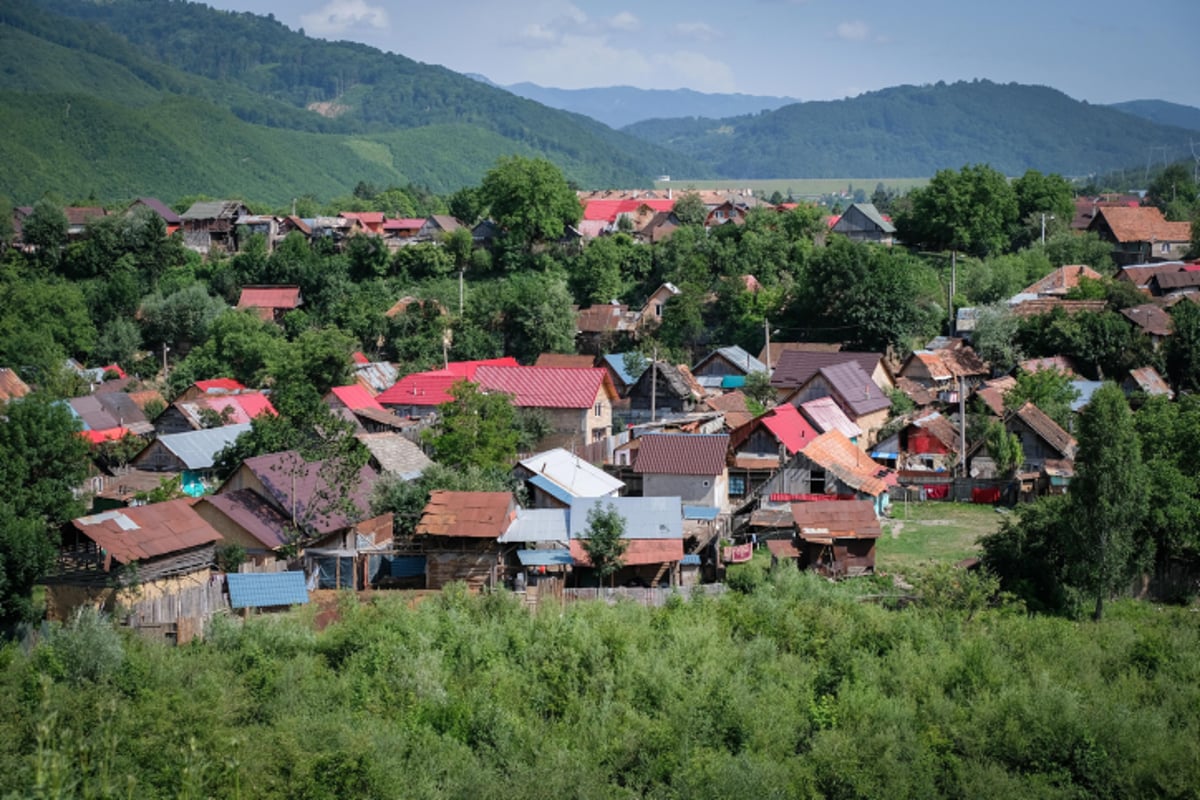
[
  {"x": 624, "y": 21},
  {"x": 855, "y": 31},
  {"x": 694, "y": 31},
  {"x": 338, "y": 16}
]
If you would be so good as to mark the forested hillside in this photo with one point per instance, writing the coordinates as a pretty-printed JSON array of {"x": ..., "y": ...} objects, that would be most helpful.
[
  {"x": 204, "y": 102},
  {"x": 917, "y": 130},
  {"x": 1162, "y": 112}
]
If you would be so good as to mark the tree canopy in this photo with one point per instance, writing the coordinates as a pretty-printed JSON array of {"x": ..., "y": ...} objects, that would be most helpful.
[{"x": 530, "y": 199}]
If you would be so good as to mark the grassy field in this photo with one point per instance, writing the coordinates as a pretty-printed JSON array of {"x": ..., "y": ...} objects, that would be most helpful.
[
  {"x": 933, "y": 532},
  {"x": 798, "y": 187}
]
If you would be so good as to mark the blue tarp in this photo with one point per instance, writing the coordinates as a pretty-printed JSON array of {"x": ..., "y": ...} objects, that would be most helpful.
[
  {"x": 545, "y": 558},
  {"x": 700, "y": 512}
]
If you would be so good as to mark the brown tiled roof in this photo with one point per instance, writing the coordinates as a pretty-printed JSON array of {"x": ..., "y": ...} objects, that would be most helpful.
[
  {"x": 474, "y": 515},
  {"x": 854, "y": 519},
  {"x": 1140, "y": 275},
  {"x": 1062, "y": 280},
  {"x": 915, "y": 391},
  {"x": 1044, "y": 305},
  {"x": 941, "y": 429},
  {"x": 1176, "y": 280},
  {"x": 569, "y": 360},
  {"x": 269, "y": 297},
  {"x": 1150, "y": 318},
  {"x": 11, "y": 385},
  {"x": 682, "y": 454},
  {"x": 1054, "y": 363},
  {"x": 836, "y": 454},
  {"x": 795, "y": 367},
  {"x": 142, "y": 532},
  {"x": 1049, "y": 430},
  {"x": 604, "y": 318},
  {"x": 733, "y": 406},
  {"x": 992, "y": 393},
  {"x": 1142, "y": 224}
]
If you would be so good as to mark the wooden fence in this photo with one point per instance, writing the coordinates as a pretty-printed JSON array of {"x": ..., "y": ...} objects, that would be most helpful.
[{"x": 650, "y": 597}]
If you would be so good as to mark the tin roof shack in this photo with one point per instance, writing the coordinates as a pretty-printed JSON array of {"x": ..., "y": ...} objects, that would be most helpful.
[
  {"x": 653, "y": 529},
  {"x": 759, "y": 448},
  {"x": 668, "y": 389},
  {"x": 192, "y": 454},
  {"x": 127, "y": 554},
  {"x": 929, "y": 443},
  {"x": 859, "y": 398},
  {"x": 459, "y": 533},
  {"x": 831, "y": 465},
  {"x": 557, "y": 477},
  {"x": 836, "y": 539},
  {"x": 862, "y": 222},
  {"x": 212, "y": 225},
  {"x": 690, "y": 466}
]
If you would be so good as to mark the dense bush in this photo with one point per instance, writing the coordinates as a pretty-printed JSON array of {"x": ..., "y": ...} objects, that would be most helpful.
[{"x": 794, "y": 689}]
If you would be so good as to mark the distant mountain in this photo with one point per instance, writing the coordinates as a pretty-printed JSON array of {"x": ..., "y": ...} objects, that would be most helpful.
[
  {"x": 1162, "y": 112},
  {"x": 913, "y": 131},
  {"x": 618, "y": 106},
  {"x": 113, "y": 101}
]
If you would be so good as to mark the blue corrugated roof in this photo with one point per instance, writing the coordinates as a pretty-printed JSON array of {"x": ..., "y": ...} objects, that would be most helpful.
[
  {"x": 544, "y": 558},
  {"x": 700, "y": 512},
  {"x": 551, "y": 488},
  {"x": 617, "y": 362},
  {"x": 262, "y": 589}
]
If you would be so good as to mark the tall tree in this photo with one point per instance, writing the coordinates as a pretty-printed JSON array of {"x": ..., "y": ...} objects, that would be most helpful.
[
  {"x": 474, "y": 429},
  {"x": 689, "y": 209},
  {"x": 971, "y": 210},
  {"x": 1107, "y": 499},
  {"x": 45, "y": 230},
  {"x": 605, "y": 544},
  {"x": 530, "y": 199}
]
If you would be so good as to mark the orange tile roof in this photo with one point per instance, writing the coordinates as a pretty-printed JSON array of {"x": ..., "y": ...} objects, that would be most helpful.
[
  {"x": 1044, "y": 305},
  {"x": 11, "y": 385},
  {"x": 838, "y": 455},
  {"x": 1142, "y": 224},
  {"x": 1062, "y": 280},
  {"x": 475, "y": 515},
  {"x": 269, "y": 297}
]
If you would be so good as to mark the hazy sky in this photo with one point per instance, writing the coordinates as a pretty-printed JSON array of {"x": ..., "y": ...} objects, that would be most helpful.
[{"x": 1102, "y": 51}]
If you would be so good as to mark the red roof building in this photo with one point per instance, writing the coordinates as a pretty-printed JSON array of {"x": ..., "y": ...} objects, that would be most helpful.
[
  {"x": 548, "y": 387},
  {"x": 271, "y": 302}
]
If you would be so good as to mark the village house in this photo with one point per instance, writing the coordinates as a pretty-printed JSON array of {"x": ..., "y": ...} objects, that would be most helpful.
[
  {"x": 1152, "y": 320},
  {"x": 928, "y": 444},
  {"x": 212, "y": 225},
  {"x": 862, "y": 222},
  {"x": 458, "y": 536},
  {"x": 577, "y": 402},
  {"x": 685, "y": 465},
  {"x": 794, "y": 367},
  {"x": 825, "y": 415},
  {"x": 761, "y": 446},
  {"x": 357, "y": 406},
  {"x": 654, "y": 535},
  {"x": 664, "y": 390},
  {"x": 1147, "y": 381},
  {"x": 270, "y": 302},
  {"x": 164, "y": 212},
  {"x": 1175, "y": 284},
  {"x": 1043, "y": 441},
  {"x": 191, "y": 454},
  {"x": 732, "y": 408},
  {"x": 11, "y": 385},
  {"x": 831, "y": 465},
  {"x": 724, "y": 363},
  {"x": 126, "y": 554},
  {"x": 212, "y": 411},
  {"x": 859, "y": 398},
  {"x": 394, "y": 454},
  {"x": 618, "y": 366},
  {"x": 420, "y": 393},
  {"x": 836, "y": 539},
  {"x": 1141, "y": 234},
  {"x": 556, "y": 477}
]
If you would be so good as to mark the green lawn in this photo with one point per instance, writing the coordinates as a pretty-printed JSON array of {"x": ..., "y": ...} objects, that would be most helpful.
[{"x": 932, "y": 532}]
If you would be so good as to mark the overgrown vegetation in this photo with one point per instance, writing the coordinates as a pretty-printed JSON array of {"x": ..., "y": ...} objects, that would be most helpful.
[{"x": 793, "y": 689}]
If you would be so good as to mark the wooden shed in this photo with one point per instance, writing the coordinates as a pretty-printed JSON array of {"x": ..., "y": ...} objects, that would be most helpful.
[
  {"x": 458, "y": 534},
  {"x": 836, "y": 539}
]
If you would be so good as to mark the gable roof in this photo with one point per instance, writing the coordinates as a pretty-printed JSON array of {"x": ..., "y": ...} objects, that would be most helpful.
[
  {"x": 1140, "y": 224},
  {"x": 855, "y": 388},
  {"x": 1061, "y": 280},
  {"x": 992, "y": 393},
  {"x": 826, "y": 415},
  {"x": 871, "y": 213},
  {"x": 1166, "y": 281},
  {"x": 682, "y": 454},
  {"x": 567, "y": 360},
  {"x": 789, "y": 427},
  {"x": 845, "y": 519},
  {"x": 547, "y": 387},
  {"x": 1149, "y": 381},
  {"x": 11, "y": 385},
  {"x": 197, "y": 450},
  {"x": 251, "y": 513},
  {"x": 573, "y": 474},
  {"x": 605, "y": 317},
  {"x": 431, "y": 388},
  {"x": 213, "y": 209},
  {"x": 1150, "y": 318},
  {"x": 395, "y": 454},
  {"x": 238, "y": 408},
  {"x": 1049, "y": 430},
  {"x": 474, "y": 515},
  {"x": 355, "y": 397},
  {"x": 144, "y": 532},
  {"x": 796, "y": 367},
  {"x": 158, "y": 207},
  {"x": 838, "y": 455},
  {"x": 291, "y": 482},
  {"x": 269, "y": 297},
  {"x": 616, "y": 363},
  {"x": 733, "y": 406},
  {"x": 939, "y": 428},
  {"x": 737, "y": 358}
]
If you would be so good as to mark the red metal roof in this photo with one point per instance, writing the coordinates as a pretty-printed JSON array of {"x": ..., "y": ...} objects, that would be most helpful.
[
  {"x": 637, "y": 552},
  {"x": 358, "y": 358},
  {"x": 269, "y": 297},
  {"x": 475, "y": 515},
  {"x": 547, "y": 387},
  {"x": 141, "y": 532},
  {"x": 791, "y": 429},
  {"x": 106, "y": 435},
  {"x": 682, "y": 454},
  {"x": 609, "y": 210},
  {"x": 242, "y": 407},
  {"x": 404, "y": 224},
  {"x": 356, "y": 397},
  {"x": 420, "y": 389}
]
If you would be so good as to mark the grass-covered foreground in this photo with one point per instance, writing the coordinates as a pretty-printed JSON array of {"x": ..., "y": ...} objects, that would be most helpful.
[{"x": 796, "y": 690}]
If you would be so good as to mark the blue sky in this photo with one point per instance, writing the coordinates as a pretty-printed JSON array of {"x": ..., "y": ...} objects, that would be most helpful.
[{"x": 1102, "y": 51}]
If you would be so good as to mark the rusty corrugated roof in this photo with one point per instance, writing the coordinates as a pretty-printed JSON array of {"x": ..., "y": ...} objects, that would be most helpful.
[
  {"x": 838, "y": 455},
  {"x": 637, "y": 552},
  {"x": 854, "y": 519},
  {"x": 144, "y": 532},
  {"x": 474, "y": 515}
]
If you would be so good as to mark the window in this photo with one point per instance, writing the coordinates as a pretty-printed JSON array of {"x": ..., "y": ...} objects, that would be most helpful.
[
  {"x": 658, "y": 309},
  {"x": 737, "y": 485},
  {"x": 816, "y": 481},
  {"x": 1166, "y": 247},
  {"x": 599, "y": 409}
]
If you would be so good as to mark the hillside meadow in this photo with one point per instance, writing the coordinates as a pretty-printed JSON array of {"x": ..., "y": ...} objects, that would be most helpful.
[
  {"x": 795, "y": 689},
  {"x": 796, "y": 187}
]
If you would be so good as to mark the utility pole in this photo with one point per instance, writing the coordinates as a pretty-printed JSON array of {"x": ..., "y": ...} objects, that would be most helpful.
[
  {"x": 767, "y": 334},
  {"x": 654, "y": 385},
  {"x": 460, "y": 291},
  {"x": 962, "y": 427},
  {"x": 953, "y": 281},
  {"x": 166, "y": 373}
]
